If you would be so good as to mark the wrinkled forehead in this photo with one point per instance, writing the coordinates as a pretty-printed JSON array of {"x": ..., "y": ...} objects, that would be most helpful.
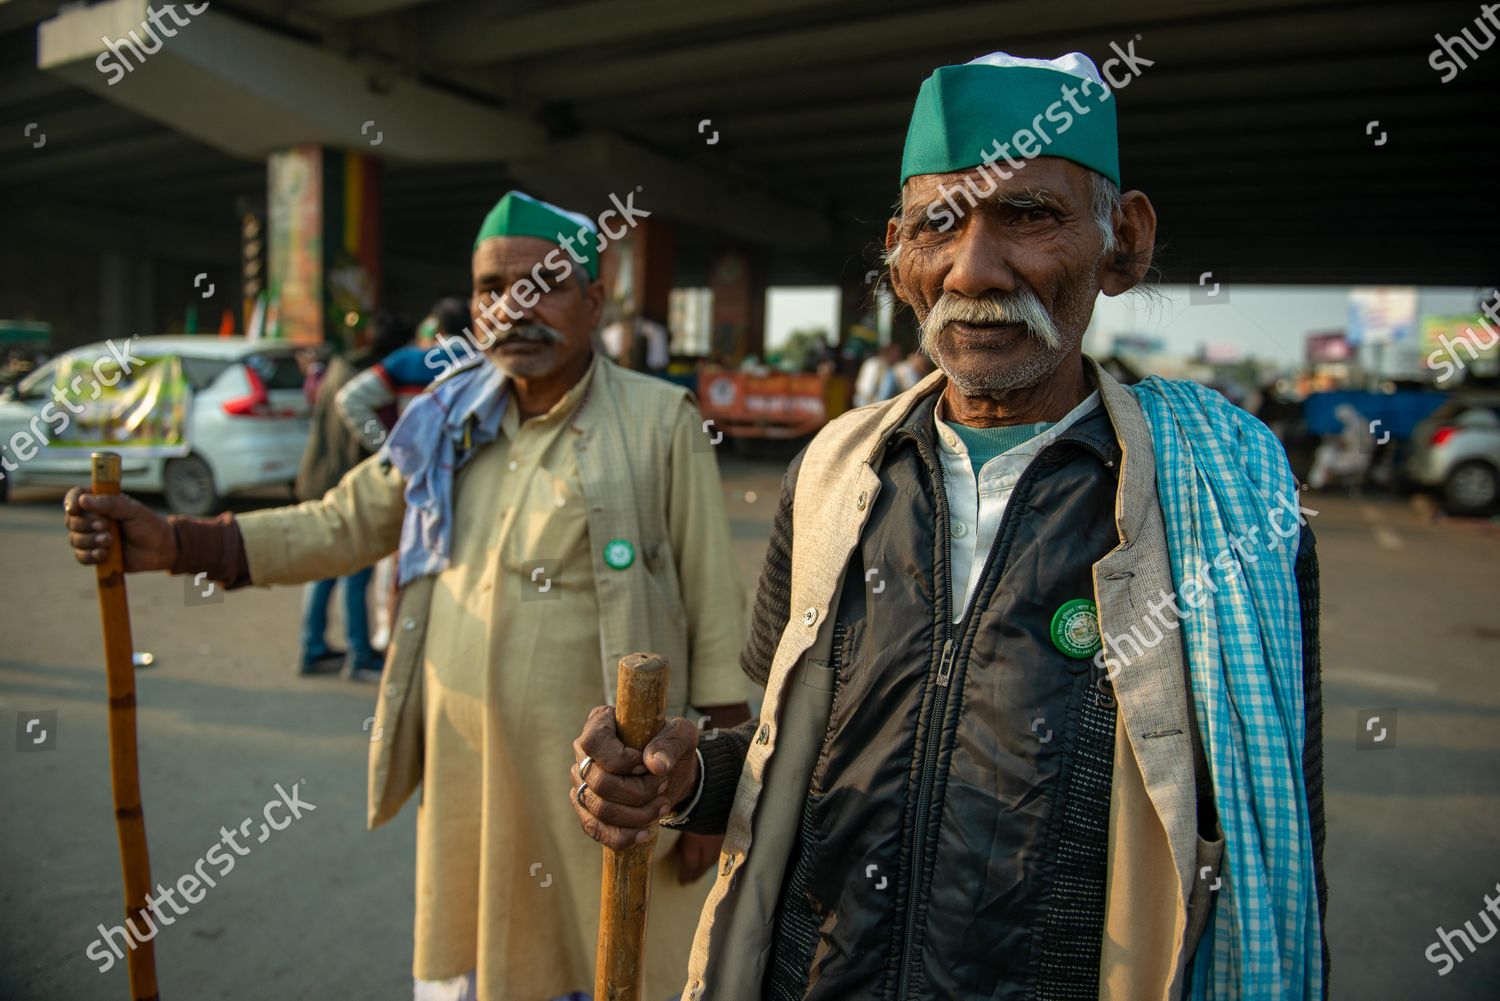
[
  {"x": 506, "y": 256},
  {"x": 1063, "y": 179}
]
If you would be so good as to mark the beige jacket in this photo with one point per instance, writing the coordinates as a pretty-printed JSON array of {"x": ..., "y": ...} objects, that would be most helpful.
[
  {"x": 1156, "y": 903},
  {"x": 624, "y": 442}
]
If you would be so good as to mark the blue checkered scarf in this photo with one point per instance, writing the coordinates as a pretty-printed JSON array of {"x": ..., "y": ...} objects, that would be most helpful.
[
  {"x": 437, "y": 434},
  {"x": 1219, "y": 476}
]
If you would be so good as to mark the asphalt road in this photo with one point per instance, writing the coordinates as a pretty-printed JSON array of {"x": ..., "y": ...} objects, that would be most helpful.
[{"x": 322, "y": 909}]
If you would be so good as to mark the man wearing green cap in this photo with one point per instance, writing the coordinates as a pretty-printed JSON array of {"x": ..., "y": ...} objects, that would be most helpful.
[
  {"x": 551, "y": 513},
  {"x": 1042, "y": 706}
]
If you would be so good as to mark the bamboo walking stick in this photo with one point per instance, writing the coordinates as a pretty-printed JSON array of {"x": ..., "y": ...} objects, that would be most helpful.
[
  {"x": 124, "y": 770},
  {"x": 640, "y": 712}
]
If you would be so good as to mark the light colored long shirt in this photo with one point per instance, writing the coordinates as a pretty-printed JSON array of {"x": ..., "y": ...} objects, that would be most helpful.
[
  {"x": 976, "y": 505},
  {"x": 507, "y": 882}
]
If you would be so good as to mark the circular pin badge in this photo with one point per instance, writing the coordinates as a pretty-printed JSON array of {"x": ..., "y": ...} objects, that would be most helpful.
[
  {"x": 619, "y": 554},
  {"x": 1075, "y": 628}
]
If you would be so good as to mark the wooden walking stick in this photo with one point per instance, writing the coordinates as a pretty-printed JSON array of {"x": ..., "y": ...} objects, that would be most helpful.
[
  {"x": 640, "y": 712},
  {"x": 124, "y": 770}
]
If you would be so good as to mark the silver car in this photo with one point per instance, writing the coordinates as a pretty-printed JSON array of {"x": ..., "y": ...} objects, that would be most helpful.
[
  {"x": 1456, "y": 452},
  {"x": 247, "y": 425}
]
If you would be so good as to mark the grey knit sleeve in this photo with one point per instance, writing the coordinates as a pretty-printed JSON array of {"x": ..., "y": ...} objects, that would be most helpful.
[
  {"x": 724, "y": 750},
  {"x": 1308, "y": 591},
  {"x": 723, "y": 758},
  {"x": 773, "y": 598}
]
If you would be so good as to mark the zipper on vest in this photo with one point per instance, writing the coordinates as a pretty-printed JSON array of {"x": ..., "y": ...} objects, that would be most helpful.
[
  {"x": 935, "y": 714},
  {"x": 905, "y": 987},
  {"x": 945, "y": 669}
]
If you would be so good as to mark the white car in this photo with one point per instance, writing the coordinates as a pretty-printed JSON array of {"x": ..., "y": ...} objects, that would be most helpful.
[
  {"x": 246, "y": 427},
  {"x": 1456, "y": 452}
]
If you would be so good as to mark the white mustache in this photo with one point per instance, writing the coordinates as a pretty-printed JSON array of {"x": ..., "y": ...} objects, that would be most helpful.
[
  {"x": 1021, "y": 306},
  {"x": 538, "y": 333}
]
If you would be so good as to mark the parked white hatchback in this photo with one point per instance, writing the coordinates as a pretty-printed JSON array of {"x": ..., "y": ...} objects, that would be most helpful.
[{"x": 246, "y": 426}]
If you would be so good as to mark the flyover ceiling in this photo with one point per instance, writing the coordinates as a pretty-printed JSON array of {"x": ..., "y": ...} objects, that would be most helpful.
[{"x": 1249, "y": 132}]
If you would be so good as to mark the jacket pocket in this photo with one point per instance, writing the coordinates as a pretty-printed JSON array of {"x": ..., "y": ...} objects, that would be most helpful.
[
  {"x": 1205, "y": 885},
  {"x": 818, "y": 675}
]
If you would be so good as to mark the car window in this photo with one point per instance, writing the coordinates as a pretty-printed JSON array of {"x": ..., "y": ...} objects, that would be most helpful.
[
  {"x": 38, "y": 383},
  {"x": 278, "y": 370},
  {"x": 201, "y": 372}
]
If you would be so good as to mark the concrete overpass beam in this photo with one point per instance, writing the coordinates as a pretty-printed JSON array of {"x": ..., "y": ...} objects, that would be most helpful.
[
  {"x": 584, "y": 171},
  {"x": 248, "y": 91}
]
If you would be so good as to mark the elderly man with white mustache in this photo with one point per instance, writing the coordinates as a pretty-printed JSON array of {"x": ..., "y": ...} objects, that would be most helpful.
[
  {"x": 551, "y": 512},
  {"x": 974, "y": 774}
]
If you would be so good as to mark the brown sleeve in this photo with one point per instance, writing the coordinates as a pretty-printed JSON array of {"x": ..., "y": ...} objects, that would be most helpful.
[{"x": 211, "y": 546}]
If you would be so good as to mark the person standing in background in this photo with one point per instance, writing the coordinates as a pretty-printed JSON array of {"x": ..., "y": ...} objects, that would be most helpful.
[
  {"x": 395, "y": 380},
  {"x": 906, "y": 374},
  {"x": 638, "y": 342},
  {"x": 872, "y": 374},
  {"x": 332, "y": 450},
  {"x": 370, "y": 404}
]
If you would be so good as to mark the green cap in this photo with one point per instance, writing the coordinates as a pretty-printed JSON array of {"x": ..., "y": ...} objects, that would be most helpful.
[
  {"x": 518, "y": 214},
  {"x": 962, "y": 112}
]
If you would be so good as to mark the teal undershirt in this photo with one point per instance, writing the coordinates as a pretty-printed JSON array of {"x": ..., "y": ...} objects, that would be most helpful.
[{"x": 986, "y": 443}]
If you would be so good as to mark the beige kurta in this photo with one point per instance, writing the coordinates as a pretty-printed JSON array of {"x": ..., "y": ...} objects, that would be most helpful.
[{"x": 507, "y": 882}]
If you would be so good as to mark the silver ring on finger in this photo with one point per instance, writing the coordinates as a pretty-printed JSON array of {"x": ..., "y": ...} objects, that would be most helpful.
[
  {"x": 583, "y": 767},
  {"x": 578, "y": 796}
]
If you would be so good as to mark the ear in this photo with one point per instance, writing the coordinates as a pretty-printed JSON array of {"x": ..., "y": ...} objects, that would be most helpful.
[
  {"x": 1135, "y": 241},
  {"x": 897, "y": 286},
  {"x": 593, "y": 300}
]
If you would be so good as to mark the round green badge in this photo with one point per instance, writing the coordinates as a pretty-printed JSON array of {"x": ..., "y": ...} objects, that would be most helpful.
[
  {"x": 1075, "y": 628},
  {"x": 619, "y": 554}
]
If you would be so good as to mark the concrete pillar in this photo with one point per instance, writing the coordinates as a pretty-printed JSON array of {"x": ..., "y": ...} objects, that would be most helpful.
[
  {"x": 738, "y": 279},
  {"x": 323, "y": 245},
  {"x": 654, "y": 258},
  {"x": 142, "y": 292},
  {"x": 115, "y": 310}
]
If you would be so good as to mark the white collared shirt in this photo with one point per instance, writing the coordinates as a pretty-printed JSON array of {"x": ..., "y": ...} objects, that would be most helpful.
[{"x": 976, "y": 506}]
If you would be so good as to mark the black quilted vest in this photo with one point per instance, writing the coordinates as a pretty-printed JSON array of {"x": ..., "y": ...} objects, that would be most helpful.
[{"x": 954, "y": 832}]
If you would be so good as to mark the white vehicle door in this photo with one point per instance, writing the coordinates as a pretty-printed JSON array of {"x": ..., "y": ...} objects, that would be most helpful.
[{"x": 29, "y": 417}]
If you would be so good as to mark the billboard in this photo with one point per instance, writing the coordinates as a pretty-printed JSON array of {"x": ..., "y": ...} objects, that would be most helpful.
[
  {"x": 1382, "y": 314},
  {"x": 1327, "y": 348},
  {"x": 1450, "y": 343}
]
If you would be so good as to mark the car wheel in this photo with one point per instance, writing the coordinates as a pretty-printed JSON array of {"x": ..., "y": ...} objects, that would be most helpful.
[
  {"x": 1472, "y": 488},
  {"x": 188, "y": 485}
]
